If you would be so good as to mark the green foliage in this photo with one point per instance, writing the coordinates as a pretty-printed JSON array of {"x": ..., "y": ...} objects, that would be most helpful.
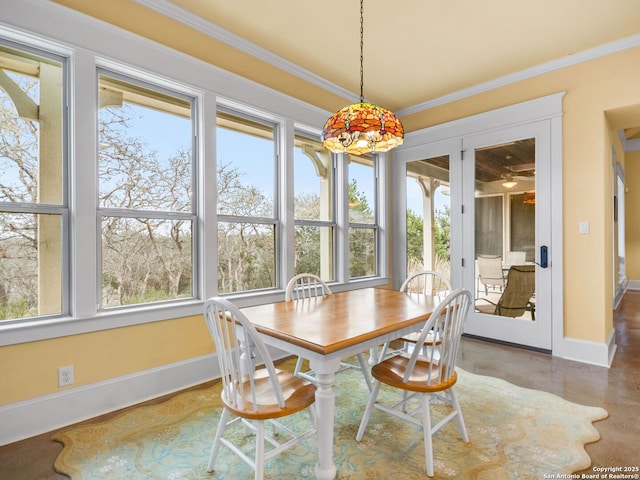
[
  {"x": 442, "y": 233},
  {"x": 415, "y": 232},
  {"x": 359, "y": 209},
  {"x": 17, "y": 309},
  {"x": 442, "y": 240}
]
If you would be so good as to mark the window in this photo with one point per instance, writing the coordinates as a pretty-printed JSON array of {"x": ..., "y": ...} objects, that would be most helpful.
[
  {"x": 146, "y": 190},
  {"x": 247, "y": 219},
  {"x": 363, "y": 226},
  {"x": 314, "y": 208},
  {"x": 34, "y": 219}
]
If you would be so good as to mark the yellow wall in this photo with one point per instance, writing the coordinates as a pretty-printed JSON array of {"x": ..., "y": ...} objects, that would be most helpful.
[
  {"x": 100, "y": 356},
  {"x": 632, "y": 207},
  {"x": 592, "y": 88}
]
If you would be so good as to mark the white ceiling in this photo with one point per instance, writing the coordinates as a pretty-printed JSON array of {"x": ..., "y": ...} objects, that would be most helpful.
[{"x": 415, "y": 51}]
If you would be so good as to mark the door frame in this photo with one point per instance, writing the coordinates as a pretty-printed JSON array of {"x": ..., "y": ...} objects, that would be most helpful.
[{"x": 428, "y": 142}]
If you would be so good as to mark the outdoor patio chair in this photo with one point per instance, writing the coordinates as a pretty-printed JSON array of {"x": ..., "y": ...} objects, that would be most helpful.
[
  {"x": 253, "y": 396},
  {"x": 517, "y": 295},
  {"x": 425, "y": 375},
  {"x": 490, "y": 273},
  {"x": 307, "y": 286}
]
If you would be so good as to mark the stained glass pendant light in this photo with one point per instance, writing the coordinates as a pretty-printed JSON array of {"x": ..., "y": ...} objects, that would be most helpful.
[{"x": 362, "y": 127}]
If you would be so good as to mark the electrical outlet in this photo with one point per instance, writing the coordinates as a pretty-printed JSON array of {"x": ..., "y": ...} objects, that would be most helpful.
[{"x": 65, "y": 376}]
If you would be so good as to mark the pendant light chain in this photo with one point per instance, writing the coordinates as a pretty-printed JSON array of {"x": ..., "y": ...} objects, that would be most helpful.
[
  {"x": 362, "y": 128},
  {"x": 361, "y": 51}
]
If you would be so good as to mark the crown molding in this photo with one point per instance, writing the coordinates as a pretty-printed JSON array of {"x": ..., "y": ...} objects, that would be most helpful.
[{"x": 564, "y": 62}]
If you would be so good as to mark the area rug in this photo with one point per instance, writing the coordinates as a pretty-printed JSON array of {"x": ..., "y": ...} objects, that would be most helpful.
[{"x": 515, "y": 433}]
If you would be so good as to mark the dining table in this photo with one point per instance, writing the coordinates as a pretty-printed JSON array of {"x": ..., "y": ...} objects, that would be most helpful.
[{"x": 327, "y": 329}]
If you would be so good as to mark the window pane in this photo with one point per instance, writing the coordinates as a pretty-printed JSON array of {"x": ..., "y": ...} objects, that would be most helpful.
[
  {"x": 31, "y": 252},
  {"x": 362, "y": 252},
  {"x": 145, "y": 164},
  {"x": 246, "y": 257},
  {"x": 145, "y": 148},
  {"x": 362, "y": 192},
  {"x": 145, "y": 260},
  {"x": 313, "y": 180},
  {"x": 246, "y": 167},
  {"x": 314, "y": 251},
  {"x": 31, "y": 172},
  {"x": 30, "y": 129}
]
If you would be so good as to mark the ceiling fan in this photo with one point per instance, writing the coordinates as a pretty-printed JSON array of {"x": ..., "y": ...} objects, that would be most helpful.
[{"x": 526, "y": 171}]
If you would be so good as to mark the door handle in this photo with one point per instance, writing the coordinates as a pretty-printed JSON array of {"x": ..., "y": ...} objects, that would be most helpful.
[{"x": 544, "y": 256}]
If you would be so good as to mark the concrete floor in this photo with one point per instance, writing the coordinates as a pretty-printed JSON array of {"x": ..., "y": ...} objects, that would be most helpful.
[{"x": 616, "y": 389}]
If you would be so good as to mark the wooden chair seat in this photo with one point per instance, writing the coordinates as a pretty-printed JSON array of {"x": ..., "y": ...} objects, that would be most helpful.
[
  {"x": 424, "y": 377},
  {"x": 298, "y": 394}
]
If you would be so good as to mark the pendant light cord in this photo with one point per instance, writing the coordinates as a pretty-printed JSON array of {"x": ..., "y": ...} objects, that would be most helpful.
[{"x": 361, "y": 51}]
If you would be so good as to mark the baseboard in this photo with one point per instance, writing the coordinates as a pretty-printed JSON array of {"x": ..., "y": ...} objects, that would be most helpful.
[
  {"x": 31, "y": 417},
  {"x": 595, "y": 353},
  {"x": 633, "y": 285}
]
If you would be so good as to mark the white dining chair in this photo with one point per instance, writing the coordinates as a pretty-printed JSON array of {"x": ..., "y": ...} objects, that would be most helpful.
[
  {"x": 250, "y": 395},
  {"x": 425, "y": 282},
  {"x": 425, "y": 375},
  {"x": 307, "y": 286}
]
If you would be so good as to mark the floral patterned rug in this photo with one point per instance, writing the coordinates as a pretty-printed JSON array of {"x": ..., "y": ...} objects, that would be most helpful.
[{"x": 514, "y": 433}]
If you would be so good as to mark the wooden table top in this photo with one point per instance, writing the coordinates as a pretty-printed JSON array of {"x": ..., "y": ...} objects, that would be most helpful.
[{"x": 331, "y": 323}]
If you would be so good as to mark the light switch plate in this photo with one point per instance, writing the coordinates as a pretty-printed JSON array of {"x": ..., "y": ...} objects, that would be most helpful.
[{"x": 584, "y": 227}]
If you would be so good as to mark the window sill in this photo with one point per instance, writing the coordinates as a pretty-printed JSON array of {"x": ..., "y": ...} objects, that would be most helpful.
[{"x": 45, "y": 329}]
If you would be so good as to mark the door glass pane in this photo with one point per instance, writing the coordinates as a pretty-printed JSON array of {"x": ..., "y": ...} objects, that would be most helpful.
[
  {"x": 505, "y": 229},
  {"x": 428, "y": 216}
]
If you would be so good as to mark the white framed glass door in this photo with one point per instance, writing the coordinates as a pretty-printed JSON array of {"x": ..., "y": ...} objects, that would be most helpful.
[
  {"x": 506, "y": 234},
  {"x": 497, "y": 220}
]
